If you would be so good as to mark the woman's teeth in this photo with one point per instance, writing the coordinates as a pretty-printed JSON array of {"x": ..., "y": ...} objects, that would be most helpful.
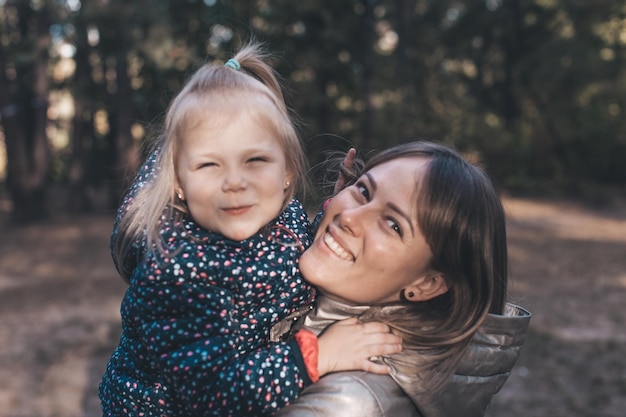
[{"x": 336, "y": 248}]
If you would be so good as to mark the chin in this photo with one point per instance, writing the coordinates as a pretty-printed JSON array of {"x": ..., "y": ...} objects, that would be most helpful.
[
  {"x": 308, "y": 267},
  {"x": 238, "y": 236}
]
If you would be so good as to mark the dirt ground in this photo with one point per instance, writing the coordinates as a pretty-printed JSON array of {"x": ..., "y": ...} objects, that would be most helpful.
[{"x": 59, "y": 302}]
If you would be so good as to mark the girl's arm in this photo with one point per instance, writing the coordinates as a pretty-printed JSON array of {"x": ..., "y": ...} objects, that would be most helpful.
[
  {"x": 194, "y": 343},
  {"x": 189, "y": 333},
  {"x": 145, "y": 173}
]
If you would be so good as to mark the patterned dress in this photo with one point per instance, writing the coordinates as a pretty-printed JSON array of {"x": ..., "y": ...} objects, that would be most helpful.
[{"x": 196, "y": 323}]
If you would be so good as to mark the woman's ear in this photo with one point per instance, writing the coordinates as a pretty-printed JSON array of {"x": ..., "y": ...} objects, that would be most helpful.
[{"x": 425, "y": 288}]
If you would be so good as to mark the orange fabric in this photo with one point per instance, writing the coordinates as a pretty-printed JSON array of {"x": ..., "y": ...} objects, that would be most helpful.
[{"x": 310, "y": 352}]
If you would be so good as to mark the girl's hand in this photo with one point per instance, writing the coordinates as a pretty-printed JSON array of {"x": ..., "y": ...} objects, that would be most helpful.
[
  {"x": 349, "y": 344},
  {"x": 347, "y": 163}
]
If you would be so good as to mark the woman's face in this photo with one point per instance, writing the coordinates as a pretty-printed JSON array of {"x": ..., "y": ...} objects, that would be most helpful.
[{"x": 369, "y": 246}]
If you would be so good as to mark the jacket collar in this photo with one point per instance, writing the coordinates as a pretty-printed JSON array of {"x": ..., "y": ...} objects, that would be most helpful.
[{"x": 483, "y": 369}]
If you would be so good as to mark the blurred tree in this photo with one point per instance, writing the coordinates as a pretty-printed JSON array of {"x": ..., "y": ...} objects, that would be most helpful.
[
  {"x": 536, "y": 75},
  {"x": 82, "y": 135},
  {"x": 23, "y": 104},
  {"x": 118, "y": 24},
  {"x": 329, "y": 61},
  {"x": 532, "y": 89}
]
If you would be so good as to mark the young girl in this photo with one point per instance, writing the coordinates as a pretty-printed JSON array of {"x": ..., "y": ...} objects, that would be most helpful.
[{"x": 209, "y": 238}]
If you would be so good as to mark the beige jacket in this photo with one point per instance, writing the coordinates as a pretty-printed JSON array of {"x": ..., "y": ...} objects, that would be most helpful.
[{"x": 483, "y": 370}]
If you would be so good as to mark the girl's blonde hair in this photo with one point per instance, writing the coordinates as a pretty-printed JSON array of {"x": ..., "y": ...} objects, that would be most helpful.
[{"x": 217, "y": 92}]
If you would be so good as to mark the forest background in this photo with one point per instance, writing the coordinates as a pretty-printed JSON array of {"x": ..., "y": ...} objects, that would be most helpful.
[{"x": 532, "y": 90}]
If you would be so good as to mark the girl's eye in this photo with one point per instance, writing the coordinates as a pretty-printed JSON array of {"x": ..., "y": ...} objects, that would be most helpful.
[
  {"x": 258, "y": 159},
  {"x": 208, "y": 165},
  {"x": 394, "y": 226}
]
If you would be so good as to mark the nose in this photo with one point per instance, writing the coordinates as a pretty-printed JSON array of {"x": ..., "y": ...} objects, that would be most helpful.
[
  {"x": 354, "y": 220},
  {"x": 234, "y": 180}
]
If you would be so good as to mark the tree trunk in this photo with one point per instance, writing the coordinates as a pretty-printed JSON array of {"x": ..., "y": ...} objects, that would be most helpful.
[
  {"x": 126, "y": 150},
  {"x": 407, "y": 69},
  {"x": 23, "y": 109},
  {"x": 81, "y": 132},
  {"x": 367, "y": 32}
]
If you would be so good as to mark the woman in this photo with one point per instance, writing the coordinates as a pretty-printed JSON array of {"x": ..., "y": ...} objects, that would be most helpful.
[{"x": 418, "y": 242}]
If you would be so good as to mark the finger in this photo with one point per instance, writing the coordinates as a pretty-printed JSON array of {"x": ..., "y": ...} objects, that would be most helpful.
[
  {"x": 349, "y": 159},
  {"x": 348, "y": 322},
  {"x": 376, "y": 327},
  {"x": 373, "y": 338},
  {"x": 375, "y": 368},
  {"x": 387, "y": 339},
  {"x": 382, "y": 349}
]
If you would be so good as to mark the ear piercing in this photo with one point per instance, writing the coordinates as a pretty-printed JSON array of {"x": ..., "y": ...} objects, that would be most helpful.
[{"x": 406, "y": 296}]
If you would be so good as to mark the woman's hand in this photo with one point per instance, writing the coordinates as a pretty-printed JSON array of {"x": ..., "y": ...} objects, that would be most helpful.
[{"x": 349, "y": 344}]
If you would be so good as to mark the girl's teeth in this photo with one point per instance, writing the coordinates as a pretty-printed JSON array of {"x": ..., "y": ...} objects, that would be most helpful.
[{"x": 336, "y": 248}]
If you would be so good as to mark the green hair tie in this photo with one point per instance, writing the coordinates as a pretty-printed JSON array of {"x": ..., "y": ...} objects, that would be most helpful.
[{"x": 233, "y": 63}]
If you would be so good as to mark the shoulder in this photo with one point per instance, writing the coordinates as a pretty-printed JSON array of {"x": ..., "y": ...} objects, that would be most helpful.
[
  {"x": 354, "y": 393},
  {"x": 295, "y": 224},
  {"x": 294, "y": 213}
]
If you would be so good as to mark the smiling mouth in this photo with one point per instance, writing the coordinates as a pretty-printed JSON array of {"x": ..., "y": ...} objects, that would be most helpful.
[
  {"x": 336, "y": 248},
  {"x": 235, "y": 211}
]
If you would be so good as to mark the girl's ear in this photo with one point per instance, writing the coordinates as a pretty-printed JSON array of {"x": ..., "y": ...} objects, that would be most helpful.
[
  {"x": 179, "y": 192},
  {"x": 288, "y": 180},
  {"x": 425, "y": 288}
]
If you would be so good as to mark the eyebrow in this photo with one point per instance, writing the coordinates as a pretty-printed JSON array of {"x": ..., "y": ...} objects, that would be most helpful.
[{"x": 392, "y": 206}]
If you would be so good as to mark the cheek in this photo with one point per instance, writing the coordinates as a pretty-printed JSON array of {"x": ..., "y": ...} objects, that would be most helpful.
[
  {"x": 382, "y": 248},
  {"x": 317, "y": 270},
  {"x": 197, "y": 190},
  {"x": 333, "y": 208},
  {"x": 271, "y": 180}
]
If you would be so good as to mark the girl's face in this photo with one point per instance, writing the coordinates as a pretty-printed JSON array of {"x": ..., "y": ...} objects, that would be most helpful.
[
  {"x": 369, "y": 245},
  {"x": 233, "y": 177}
]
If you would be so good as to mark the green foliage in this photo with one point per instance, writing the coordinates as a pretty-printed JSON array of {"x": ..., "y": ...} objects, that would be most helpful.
[{"x": 533, "y": 89}]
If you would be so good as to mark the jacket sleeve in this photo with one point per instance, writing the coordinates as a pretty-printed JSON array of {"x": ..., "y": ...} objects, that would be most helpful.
[
  {"x": 145, "y": 173},
  {"x": 184, "y": 329},
  {"x": 351, "y": 394},
  {"x": 189, "y": 330}
]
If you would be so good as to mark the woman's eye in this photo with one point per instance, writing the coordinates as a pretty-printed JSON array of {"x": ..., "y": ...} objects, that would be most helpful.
[
  {"x": 394, "y": 226},
  {"x": 363, "y": 191}
]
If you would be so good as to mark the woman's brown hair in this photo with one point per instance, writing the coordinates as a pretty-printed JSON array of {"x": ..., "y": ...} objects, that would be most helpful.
[{"x": 460, "y": 214}]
